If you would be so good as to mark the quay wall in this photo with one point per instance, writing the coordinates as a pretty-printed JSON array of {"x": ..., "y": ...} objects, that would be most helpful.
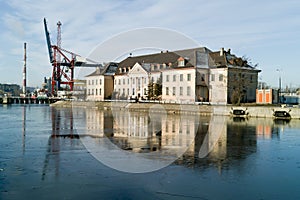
[{"x": 205, "y": 110}]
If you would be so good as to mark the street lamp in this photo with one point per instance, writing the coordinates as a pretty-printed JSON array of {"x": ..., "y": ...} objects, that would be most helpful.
[{"x": 279, "y": 90}]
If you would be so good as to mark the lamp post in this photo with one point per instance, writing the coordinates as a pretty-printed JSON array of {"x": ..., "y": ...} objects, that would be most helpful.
[{"x": 279, "y": 90}]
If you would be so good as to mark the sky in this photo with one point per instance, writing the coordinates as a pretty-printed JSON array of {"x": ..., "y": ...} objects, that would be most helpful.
[{"x": 265, "y": 31}]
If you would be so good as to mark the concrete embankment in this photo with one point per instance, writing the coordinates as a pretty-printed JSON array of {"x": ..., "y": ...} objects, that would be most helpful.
[{"x": 254, "y": 111}]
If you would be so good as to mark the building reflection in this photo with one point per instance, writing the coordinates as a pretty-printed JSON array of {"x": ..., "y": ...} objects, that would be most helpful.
[{"x": 208, "y": 141}]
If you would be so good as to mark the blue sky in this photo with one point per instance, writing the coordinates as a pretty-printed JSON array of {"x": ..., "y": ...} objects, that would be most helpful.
[{"x": 265, "y": 31}]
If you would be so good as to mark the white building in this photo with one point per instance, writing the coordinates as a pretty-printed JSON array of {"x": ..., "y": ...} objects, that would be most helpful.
[
  {"x": 100, "y": 83},
  {"x": 179, "y": 85},
  {"x": 184, "y": 76},
  {"x": 134, "y": 74}
]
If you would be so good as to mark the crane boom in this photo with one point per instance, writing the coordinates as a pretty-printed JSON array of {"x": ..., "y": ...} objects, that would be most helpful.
[{"x": 48, "y": 41}]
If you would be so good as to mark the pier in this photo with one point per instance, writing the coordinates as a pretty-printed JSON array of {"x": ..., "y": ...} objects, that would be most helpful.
[{"x": 28, "y": 100}]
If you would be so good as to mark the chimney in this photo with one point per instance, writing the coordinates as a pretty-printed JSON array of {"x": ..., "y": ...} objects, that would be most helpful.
[
  {"x": 24, "y": 71},
  {"x": 222, "y": 52},
  {"x": 228, "y": 51}
]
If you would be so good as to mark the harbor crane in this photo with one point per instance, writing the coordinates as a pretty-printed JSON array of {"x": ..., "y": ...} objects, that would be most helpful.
[{"x": 64, "y": 62}]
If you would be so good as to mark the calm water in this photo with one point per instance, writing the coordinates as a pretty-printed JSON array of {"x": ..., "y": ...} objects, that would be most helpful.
[{"x": 48, "y": 153}]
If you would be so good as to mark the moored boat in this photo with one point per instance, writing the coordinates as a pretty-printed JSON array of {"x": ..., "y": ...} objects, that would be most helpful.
[
  {"x": 281, "y": 114},
  {"x": 239, "y": 112}
]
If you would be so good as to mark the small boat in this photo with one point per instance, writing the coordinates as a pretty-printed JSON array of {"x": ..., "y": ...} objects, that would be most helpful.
[
  {"x": 239, "y": 112},
  {"x": 281, "y": 114}
]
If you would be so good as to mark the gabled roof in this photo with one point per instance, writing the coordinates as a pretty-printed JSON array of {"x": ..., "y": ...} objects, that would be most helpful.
[
  {"x": 136, "y": 66},
  {"x": 217, "y": 60},
  {"x": 168, "y": 58},
  {"x": 163, "y": 57},
  {"x": 109, "y": 69},
  {"x": 196, "y": 56},
  {"x": 225, "y": 59}
]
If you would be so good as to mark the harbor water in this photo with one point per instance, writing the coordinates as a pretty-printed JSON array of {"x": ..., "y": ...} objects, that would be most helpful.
[{"x": 76, "y": 153}]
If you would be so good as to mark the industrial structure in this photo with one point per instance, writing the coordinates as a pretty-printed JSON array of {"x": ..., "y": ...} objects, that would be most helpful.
[
  {"x": 24, "y": 72},
  {"x": 63, "y": 63}
]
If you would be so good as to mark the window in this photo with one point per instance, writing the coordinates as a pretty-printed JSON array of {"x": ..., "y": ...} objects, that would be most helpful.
[
  {"x": 96, "y": 81},
  {"x": 123, "y": 81},
  {"x": 100, "y": 81},
  {"x": 181, "y": 63},
  {"x": 92, "y": 91},
  {"x": 123, "y": 92},
  {"x": 174, "y": 91},
  {"x": 167, "y": 78},
  {"x": 174, "y": 78},
  {"x": 167, "y": 90},
  {"x": 202, "y": 77},
  {"x": 173, "y": 127},
  {"x": 189, "y": 77},
  {"x": 96, "y": 91},
  {"x": 128, "y": 91},
  {"x": 181, "y": 91},
  {"x": 220, "y": 77},
  {"x": 100, "y": 90},
  {"x": 128, "y": 81},
  {"x": 89, "y": 82},
  {"x": 133, "y": 81},
  {"x": 181, "y": 77},
  {"x": 92, "y": 82},
  {"x": 212, "y": 77},
  {"x": 133, "y": 92},
  {"x": 89, "y": 91},
  {"x": 119, "y": 81},
  {"x": 188, "y": 91}
]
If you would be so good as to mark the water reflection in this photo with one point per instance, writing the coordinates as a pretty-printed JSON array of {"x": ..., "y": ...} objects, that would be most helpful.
[
  {"x": 208, "y": 141},
  {"x": 62, "y": 138},
  {"x": 23, "y": 128}
]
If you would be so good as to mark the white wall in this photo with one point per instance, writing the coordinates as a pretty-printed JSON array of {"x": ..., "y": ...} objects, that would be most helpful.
[
  {"x": 179, "y": 90},
  {"x": 95, "y": 88},
  {"x": 218, "y": 88}
]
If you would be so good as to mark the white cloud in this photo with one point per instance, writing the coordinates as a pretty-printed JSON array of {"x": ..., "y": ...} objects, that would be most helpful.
[{"x": 248, "y": 27}]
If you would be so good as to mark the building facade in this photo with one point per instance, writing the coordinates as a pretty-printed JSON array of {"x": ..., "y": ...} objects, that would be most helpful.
[
  {"x": 232, "y": 79},
  {"x": 100, "y": 83},
  {"x": 184, "y": 76}
]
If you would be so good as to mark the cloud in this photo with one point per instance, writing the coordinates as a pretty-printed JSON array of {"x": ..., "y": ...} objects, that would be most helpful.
[{"x": 248, "y": 27}]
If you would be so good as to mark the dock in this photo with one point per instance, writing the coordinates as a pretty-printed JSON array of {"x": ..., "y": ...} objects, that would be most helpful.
[{"x": 28, "y": 100}]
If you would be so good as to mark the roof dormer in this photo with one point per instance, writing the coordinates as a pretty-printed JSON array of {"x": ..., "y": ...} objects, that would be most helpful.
[{"x": 181, "y": 62}]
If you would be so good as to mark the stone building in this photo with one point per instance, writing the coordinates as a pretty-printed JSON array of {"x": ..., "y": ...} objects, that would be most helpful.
[{"x": 232, "y": 79}]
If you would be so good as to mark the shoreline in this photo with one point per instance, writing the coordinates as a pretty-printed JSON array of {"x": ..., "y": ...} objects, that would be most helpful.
[{"x": 261, "y": 111}]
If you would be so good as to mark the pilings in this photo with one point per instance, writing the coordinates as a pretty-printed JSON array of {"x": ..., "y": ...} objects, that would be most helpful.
[{"x": 28, "y": 100}]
